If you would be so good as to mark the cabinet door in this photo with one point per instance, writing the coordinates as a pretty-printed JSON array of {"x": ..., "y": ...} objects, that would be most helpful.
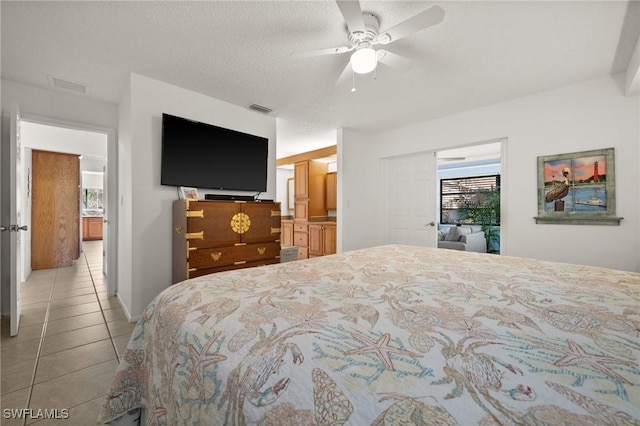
[
  {"x": 301, "y": 210},
  {"x": 94, "y": 231},
  {"x": 315, "y": 240},
  {"x": 287, "y": 233},
  {"x": 85, "y": 228},
  {"x": 329, "y": 239},
  {"x": 262, "y": 222},
  {"x": 301, "y": 176},
  {"x": 209, "y": 223}
]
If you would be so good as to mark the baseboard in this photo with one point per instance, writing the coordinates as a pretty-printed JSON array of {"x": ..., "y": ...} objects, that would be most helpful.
[{"x": 126, "y": 311}]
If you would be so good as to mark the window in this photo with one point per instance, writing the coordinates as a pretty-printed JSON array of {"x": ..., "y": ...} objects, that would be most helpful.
[
  {"x": 461, "y": 196},
  {"x": 92, "y": 199}
]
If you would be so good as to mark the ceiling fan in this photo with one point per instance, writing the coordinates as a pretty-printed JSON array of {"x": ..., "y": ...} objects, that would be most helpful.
[{"x": 364, "y": 34}]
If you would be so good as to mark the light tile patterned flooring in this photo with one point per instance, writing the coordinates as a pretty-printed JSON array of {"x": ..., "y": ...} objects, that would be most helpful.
[{"x": 68, "y": 346}]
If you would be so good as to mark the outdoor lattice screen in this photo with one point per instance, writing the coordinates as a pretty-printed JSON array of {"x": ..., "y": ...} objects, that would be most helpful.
[{"x": 457, "y": 193}]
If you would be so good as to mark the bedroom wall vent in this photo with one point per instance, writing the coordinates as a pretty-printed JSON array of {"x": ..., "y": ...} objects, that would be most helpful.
[
  {"x": 260, "y": 108},
  {"x": 60, "y": 83}
]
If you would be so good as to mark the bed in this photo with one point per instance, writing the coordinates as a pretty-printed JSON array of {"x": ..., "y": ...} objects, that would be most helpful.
[{"x": 388, "y": 335}]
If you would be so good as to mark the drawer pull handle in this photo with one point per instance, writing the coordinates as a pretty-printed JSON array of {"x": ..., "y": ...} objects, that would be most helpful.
[
  {"x": 216, "y": 256},
  {"x": 196, "y": 213},
  {"x": 240, "y": 244},
  {"x": 179, "y": 229},
  {"x": 261, "y": 250},
  {"x": 275, "y": 230},
  {"x": 275, "y": 213},
  {"x": 195, "y": 235},
  {"x": 242, "y": 262}
]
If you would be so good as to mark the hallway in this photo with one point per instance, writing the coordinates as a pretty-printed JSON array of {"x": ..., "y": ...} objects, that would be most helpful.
[{"x": 68, "y": 346}]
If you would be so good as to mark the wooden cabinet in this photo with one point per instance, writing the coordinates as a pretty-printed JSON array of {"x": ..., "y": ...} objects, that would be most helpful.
[
  {"x": 301, "y": 179},
  {"x": 309, "y": 185},
  {"x": 322, "y": 239},
  {"x": 287, "y": 233},
  {"x": 331, "y": 180},
  {"x": 301, "y": 239},
  {"x": 92, "y": 228},
  {"x": 214, "y": 236}
]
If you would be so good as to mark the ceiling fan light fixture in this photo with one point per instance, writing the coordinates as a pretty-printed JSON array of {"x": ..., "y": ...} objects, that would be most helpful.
[{"x": 364, "y": 60}]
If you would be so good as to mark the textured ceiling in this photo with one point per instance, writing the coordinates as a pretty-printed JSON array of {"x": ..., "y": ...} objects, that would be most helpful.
[{"x": 482, "y": 53}]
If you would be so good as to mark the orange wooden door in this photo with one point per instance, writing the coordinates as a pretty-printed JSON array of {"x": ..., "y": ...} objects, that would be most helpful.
[{"x": 55, "y": 217}]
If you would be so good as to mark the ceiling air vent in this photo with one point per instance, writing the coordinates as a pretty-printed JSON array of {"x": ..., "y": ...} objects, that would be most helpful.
[
  {"x": 260, "y": 108},
  {"x": 59, "y": 83}
]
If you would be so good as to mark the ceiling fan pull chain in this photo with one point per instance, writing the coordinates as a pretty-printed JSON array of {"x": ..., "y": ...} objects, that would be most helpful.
[{"x": 353, "y": 82}]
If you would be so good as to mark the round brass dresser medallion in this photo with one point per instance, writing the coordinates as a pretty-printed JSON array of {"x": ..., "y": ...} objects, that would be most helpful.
[{"x": 240, "y": 223}]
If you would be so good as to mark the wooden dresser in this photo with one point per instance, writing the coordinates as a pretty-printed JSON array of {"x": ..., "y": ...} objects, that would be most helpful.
[{"x": 214, "y": 236}]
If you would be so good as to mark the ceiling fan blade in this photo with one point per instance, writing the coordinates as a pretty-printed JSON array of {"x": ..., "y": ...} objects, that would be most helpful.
[
  {"x": 321, "y": 52},
  {"x": 347, "y": 73},
  {"x": 352, "y": 14},
  {"x": 432, "y": 16},
  {"x": 393, "y": 60}
]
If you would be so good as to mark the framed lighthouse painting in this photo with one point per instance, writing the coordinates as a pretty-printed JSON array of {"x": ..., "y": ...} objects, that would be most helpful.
[{"x": 577, "y": 188}]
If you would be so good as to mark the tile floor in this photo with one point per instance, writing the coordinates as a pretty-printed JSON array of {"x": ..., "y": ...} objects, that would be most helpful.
[{"x": 68, "y": 346}]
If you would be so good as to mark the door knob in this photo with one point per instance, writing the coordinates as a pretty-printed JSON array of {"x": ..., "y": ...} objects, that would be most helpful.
[
  {"x": 431, "y": 224},
  {"x": 21, "y": 228},
  {"x": 5, "y": 228}
]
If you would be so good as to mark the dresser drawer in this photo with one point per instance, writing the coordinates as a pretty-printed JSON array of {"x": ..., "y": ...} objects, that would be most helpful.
[
  {"x": 301, "y": 239},
  {"x": 232, "y": 255},
  {"x": 300, "y": 227},
  {"x": 207, "y": 271},
  {"x": 303, "y": 253}
]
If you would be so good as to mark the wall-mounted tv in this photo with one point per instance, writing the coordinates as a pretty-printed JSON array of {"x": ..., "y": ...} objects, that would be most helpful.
[{"x": 202, "y": 155}]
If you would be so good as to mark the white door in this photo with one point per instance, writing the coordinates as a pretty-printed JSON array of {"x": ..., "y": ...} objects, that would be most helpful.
[
  {"x": 411, "y": 199},
  {"x": 105, "y": 221},
  {"x": 13, "y": 163}
]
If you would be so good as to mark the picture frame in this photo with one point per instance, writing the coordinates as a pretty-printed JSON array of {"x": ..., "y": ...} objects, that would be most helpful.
[
  {"x": 577, "y": 188},
  {"x": 188, "y": 193}
]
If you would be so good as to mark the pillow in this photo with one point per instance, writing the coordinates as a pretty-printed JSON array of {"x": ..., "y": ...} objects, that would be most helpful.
[{"x": 456, "y": 233}]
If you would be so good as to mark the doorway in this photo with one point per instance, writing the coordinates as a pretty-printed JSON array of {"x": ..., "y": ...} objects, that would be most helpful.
[
  {"x": 93, "y": 145},
  {"x": 470, "y": 192}
]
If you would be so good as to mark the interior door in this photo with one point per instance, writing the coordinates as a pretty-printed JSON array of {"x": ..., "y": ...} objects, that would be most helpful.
[
  {"x": 13, "y": 162},
  {"x": 55, "y": 222},
  {"x": 411, "y": 182}
]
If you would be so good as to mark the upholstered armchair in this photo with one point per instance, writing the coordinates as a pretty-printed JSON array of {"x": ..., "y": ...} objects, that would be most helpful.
[{"x": 465, "y": 238}]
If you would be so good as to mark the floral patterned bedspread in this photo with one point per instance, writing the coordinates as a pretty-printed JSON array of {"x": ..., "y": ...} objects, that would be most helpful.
[{"x": 390, "y": 335}]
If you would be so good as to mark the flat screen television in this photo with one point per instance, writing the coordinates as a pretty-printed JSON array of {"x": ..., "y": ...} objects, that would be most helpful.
[{"x": 202, "y": 155}]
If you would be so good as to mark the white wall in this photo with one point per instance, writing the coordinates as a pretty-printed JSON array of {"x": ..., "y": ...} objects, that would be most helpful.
[
  {"x": 359, "y": 215},
  {"x": 145, "y": 204},
  {"x": 59, "y": 104},
  {"x": 589, "y": 115},
  {"x": 125, "y": 214},
  {"x": 92, "y": 180}
]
